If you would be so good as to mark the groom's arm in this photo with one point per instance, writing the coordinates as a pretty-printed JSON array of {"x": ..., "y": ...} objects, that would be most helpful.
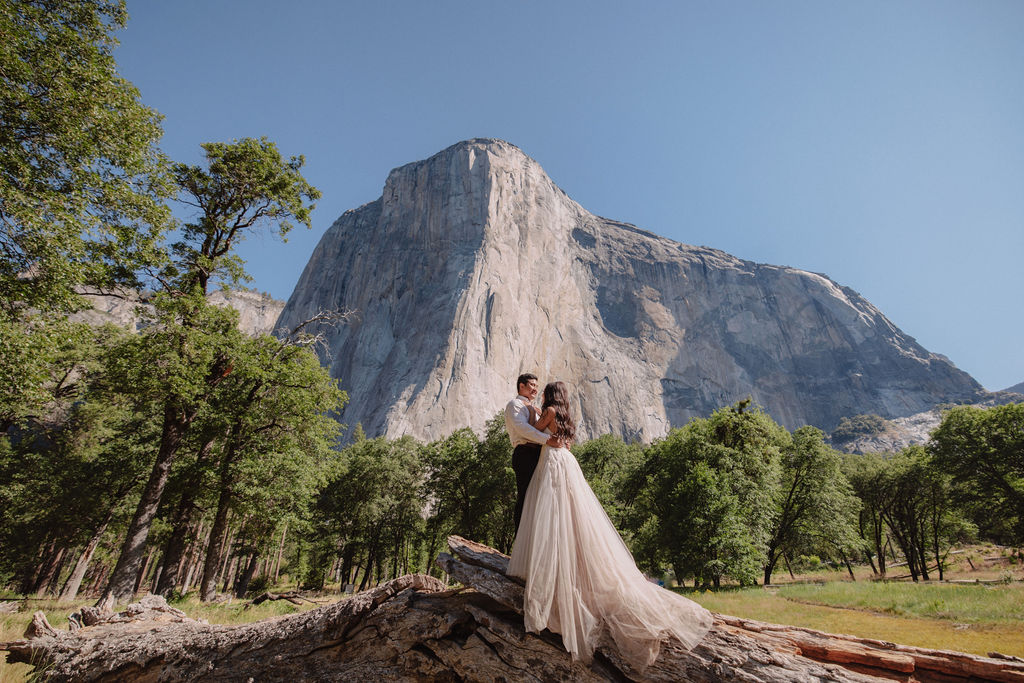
[{"x": 520, "y": 423}]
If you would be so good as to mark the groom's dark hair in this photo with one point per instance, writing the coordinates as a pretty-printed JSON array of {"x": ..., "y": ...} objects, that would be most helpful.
[{"x": 524, "y": 378}]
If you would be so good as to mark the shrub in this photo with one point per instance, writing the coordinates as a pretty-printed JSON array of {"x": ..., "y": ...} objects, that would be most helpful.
[{"x": 859, "y": 425}]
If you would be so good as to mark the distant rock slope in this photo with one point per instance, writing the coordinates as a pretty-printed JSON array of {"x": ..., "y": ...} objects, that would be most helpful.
[
  {"x": 913, "y": 430},
  {"x": 1016, "y": 388},
  {"x": 257, "y": 313},
  {"x": 473, "y": 266}
]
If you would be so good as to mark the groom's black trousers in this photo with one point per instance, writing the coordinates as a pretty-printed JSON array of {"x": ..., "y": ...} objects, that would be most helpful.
[{"x": 524, "y": 462}]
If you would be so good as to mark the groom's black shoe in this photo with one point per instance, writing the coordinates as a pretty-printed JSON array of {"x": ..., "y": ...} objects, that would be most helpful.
[{"x": 524, "y": 462}]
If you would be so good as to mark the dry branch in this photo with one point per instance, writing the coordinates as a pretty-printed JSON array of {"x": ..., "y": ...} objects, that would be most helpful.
[{"x": 291, "y": 596}]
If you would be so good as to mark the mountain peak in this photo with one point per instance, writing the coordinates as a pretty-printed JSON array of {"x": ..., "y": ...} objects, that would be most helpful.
[{"x": 474, "y": 267}]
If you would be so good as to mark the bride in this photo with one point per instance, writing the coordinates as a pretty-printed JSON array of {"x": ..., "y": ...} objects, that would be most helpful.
[{"x": 581, "y": 581}]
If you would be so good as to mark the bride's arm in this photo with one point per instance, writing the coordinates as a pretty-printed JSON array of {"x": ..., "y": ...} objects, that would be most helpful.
[{"x": 547, "y": 419}]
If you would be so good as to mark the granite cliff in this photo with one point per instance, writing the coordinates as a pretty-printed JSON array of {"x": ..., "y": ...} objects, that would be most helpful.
[
  {"x": 257, "y": 312},
  {"x": 473, "y": 266}
]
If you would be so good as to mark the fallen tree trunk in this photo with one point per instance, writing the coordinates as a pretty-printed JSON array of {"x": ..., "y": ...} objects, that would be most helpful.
[{"x": 414, "y": 628}]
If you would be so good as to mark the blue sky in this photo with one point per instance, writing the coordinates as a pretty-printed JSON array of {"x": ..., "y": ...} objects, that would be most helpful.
[{"x": 878, "y": 142}]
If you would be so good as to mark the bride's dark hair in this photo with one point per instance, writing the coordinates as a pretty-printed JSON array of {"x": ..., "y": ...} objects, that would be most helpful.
[{"x": 557, "y": 396}]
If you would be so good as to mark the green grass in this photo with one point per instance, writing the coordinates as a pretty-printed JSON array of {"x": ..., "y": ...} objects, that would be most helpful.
[
  {"x": 236, "y": 612},
  {"x": 970, "y": 618},
  {"x": 964, "y": 603},
  {"x": 12, "y": 627}
]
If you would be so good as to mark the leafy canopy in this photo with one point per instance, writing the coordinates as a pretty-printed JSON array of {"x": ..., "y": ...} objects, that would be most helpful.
[{"x": 81, "y": 178}]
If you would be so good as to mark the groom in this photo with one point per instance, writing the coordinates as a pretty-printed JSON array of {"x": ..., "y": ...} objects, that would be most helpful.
[{"x": 526, "y": 441}]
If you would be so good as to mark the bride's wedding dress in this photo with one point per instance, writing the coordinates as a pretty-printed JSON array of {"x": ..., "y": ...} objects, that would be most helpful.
[{"x": 581, "y": 580}]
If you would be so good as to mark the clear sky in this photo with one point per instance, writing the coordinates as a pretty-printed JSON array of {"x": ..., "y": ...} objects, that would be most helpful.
[{"x": 880, "y": 142}]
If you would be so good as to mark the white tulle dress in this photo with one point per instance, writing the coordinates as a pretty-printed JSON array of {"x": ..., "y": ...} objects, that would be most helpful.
[{"x": 581, "y": 580}]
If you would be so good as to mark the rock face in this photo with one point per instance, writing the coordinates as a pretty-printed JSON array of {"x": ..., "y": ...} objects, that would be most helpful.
[
  {"x": 916, "y": 429},
  {"x": 257, "y": 313},
  {"x": 899, "y": 433},
  {"x": 473, "y": 267}
]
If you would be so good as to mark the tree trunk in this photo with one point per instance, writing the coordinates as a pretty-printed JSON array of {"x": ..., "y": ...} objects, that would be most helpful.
[
  {"x": 346, "y": 566},
  {"x": 218, "y": 533},
  {"x": 229, "y": 576},
  {"x": 53, "y": 582},
  {"x": 100, "y": 579},
  {"x": 769, "y": 566},
  {"x": 123, "y": 579},
  {"x": 174, "y": 550},
  {"x": 194, "y": 556},
  {"x": 848, "y": 567},
  {"x": 74, "y": 582},
  {"x": 242, "y": 587},
  {"x": 366, "y": 573},
  {"x": 218, "y": 539},
  {"x": 871, "y": 561},
  {"x": 49, "y": 568},
  {"x": 31, "y": 581},
  {"x": 141, "y": 578},
  {"x": 280, "y": 552}
]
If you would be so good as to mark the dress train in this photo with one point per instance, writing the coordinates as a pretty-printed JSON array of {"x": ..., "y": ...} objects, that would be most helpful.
[{"x": 581, "y": 580}]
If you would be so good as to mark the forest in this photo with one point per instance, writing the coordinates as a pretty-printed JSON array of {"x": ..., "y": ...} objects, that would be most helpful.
[{"x": 185, "y": 456}]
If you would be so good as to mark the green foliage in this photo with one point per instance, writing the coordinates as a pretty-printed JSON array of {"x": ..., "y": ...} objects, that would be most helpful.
[
  {"x": 471, "y": 485},
  {"x": 609, "y": 464},
  {"x": 983, "y": 450},
  {"x": 372, "y": 505},
  {"x": 192, "y": 346},
  {"x": 81, "y": 177},
  {"x": 814, "y": 505},
  {"x": 65, "y": 477},
  {"x": 707, "y": 503},
  {"x": 906, "y": 500},
  {"x": 277, "y": 401},
  {"x": 866, "y": 474},
  {"x": 850, "y": 428},
  {"x": 246, "y": 184}
]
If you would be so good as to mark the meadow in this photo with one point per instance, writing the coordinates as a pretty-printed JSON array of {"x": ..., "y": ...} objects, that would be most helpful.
[{"x": 978, "y": 609}]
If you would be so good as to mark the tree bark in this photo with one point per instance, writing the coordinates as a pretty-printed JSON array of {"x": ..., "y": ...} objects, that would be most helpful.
[
  {"x": 242, "y": 586},
  {"x": 51, "y": 578},
  {"x": 769, "y": 567},
  {"x": 122, "y": 580},
  {"x": 74, "y": 582},
  {"x": 141, "y": 578},
  {"x": 849, "y": 569},
  {"x": 280, "y": 552},
  {"x": 411, "y": 628},
  {"x": 34, "y": 582},
  {"x": 218, "y": 533},
  {"x": 174, "y": 550}
]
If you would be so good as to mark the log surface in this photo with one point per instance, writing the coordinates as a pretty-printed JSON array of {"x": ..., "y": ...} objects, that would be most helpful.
[{"x": 414, "y": 628}]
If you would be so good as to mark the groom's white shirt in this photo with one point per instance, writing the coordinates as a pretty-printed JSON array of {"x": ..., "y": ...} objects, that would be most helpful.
[{"x": 517, "y": 424}]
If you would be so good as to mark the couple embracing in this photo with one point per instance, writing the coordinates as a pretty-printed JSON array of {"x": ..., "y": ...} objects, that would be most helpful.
[{"x": 581, "y": 581}]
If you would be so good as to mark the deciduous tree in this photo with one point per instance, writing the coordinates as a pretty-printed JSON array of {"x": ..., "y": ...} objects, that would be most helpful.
[
  {"x": 983, "y": 449},
  {"x": 246, "y": 185},
  {"x": 814, "y": 504}
]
